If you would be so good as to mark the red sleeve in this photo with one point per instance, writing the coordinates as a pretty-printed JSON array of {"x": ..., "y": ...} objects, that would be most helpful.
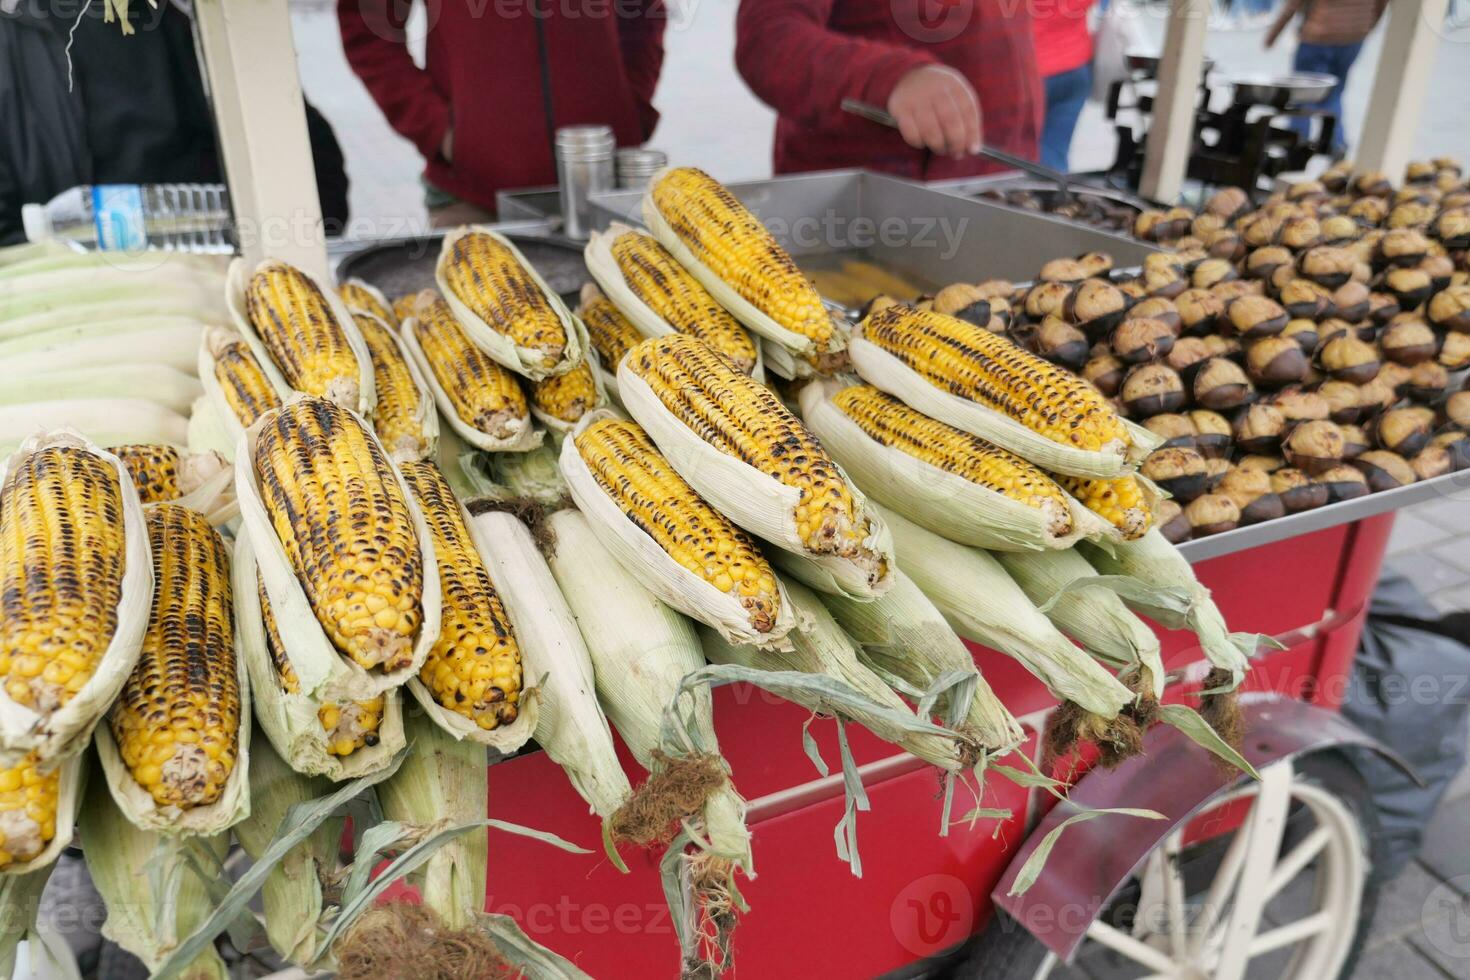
[
  {"x": 803, "y": 70},
  {"x": 641, "y": 38},
  {"x": 373, "y": 39}
]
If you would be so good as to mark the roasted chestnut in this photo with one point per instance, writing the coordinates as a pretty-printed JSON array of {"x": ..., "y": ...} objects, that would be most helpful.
[
  {"x": 1212, "y": 514},
  {"x": 1441, "y": 270},
  {"x": 965, "y": 301},
  {"x": 1301, "y": 232},
  {"x": 1435, "y": 459},
  {"x": 1314, "y": 446},
  {"x": 1212, "y": 432},
  {"x": 1327, "y": 265},
  {"x": 1172, "y": 522},
  {"x": 1402, "y": 247},
  {"x": 1299, "y": 405},
  {"x": 1373, "y": 183},
  {"x": 1296, "y": 490},
  {"x": 1369, "y": 211},
  {"x": 1275, "y": 361},
  {"x": 1420, "y": 172},
  {"x": 1347, "y": 358},
  {"x": 1254, "y": 317},
  {"x": 1157, "y": 308},
  {"x": 1063, "y": 270},
  {"x": 1224, "y": 244},
  {"x": 1427, "y": 382},
  {"x": 1354, "y": 440},
  {"x": 1336, "y": 177},
  {"x": 1454, "y": 350},
  {"x": 1457, "y": 441},
  {"x": 1180, "y": 472},
  {"x": 1455, "y": 410},
  {"x": 1340, "y": 229},
  {"x": 1219, "y": 346},
  {"x": 1342, "y": 400},
  {"x": 1252, "y": 493},
  {"x": 1096, "y": 263},
  {"x": 1139, "y": 339},
  {"x": 1305, "y": 298},
  {"x": 1376, "y": 396},
  {"x": 1408, "y": 342},
  {"x": 1228, "y": 203},
  {"x": 1177, "y": 431},
  {"x": 1343, "y": 482},
  {"x": 1105, "y": 372},
  {"x": 1403, "y": 430},
  {"x": 1396, "y": 376},
  {"x": 1212, "y": 271},
  {"x": 1061, "y": 343},
  {"x": 1221, "y": 384},
  {"x": 1095, "y": 305},
  {"x": 1150, "y": 389},
  {"x": 1166, "y": 281},
  {"x": 1450, "y": 309},
  {"x": 1235, "y": 288},
  {"x": 1411, "y": 287},
  {"x": 1382, "y": 307},
  {"x": 1046, "y": 297},
  {"x": 1385, "y": 470},
  {"x": 1259, "y": 428},
  {"x": 1303, "y": 333},
  {"x": 1260, "y": 461},
  {"x": 1263, "y": 262},
  {"x": 1351, "y": 301}
]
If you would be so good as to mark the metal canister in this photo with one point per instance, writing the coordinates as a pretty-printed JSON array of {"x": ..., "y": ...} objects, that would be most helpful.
[
  {"x": 638, "y": 163},
  {"x": 584, "y": 165}
]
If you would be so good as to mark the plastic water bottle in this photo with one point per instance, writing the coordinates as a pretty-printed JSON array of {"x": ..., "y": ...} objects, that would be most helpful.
[{"x": 133, "y": 217}]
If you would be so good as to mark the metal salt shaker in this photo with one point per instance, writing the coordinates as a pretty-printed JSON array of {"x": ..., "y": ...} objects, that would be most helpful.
[
  {"x": 637, "y": 164},
  {"x": 584, "y": 166}
]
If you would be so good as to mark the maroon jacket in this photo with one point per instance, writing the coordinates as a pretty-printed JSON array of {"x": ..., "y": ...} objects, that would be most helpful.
[
  {"x": 803, "y": 57},
  {"x": 507, "y": 73}
]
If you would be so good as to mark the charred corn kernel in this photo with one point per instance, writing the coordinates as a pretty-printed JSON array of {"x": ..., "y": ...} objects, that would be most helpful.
[
  {"x": 677, "y": 297},
  {"x": 28, "y": 803},
  {"x": 62, "y": 557},
  {"x": 485, "y": 394},
  {"x": 177, "y": 721},
  {"x": 246, "y": 388},
  {"x": 489, "y": 279},
  {"x": 154, "y": 469},
  {"x": 475, "y": 667},
  {"x": 566, "y": 396},
  {"x": 345, "y": 525},
  {"x": 610, "y": 332},
  {"x": 301, "y": 332},
  {"x": 396, "y": 414},
  {"x": 403, "y": 307},
  {"x": 888, "y": 421},
  {"x": 973, "y": 363},
  {"x": 733, "y": 244},
  {"x": 349, "y": 724},
  {"x": 632, "y": 472},
  {"x": 359, "y": 299},
  {"x": 742, "y": 417},
  {"x": 1119, "y": 501}
]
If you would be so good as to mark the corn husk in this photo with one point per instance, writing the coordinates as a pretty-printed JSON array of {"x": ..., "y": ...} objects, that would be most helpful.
[
  {"x": 111, "y": 339},
  {"x": 108, "y": 315},
  {"x": 67, "y": 730},
  {"x": 883, "y": 370},
  {"x": 642, "y": 556},
  {"x": 20, "y": 906},
  {"x": 107, "y": 421},
  {"x": 290, "y": 721},
  {"x": 570, "y": 727},
  {"x": 426, "y": 414},
  {"x": 209, "y": 346},
  {"x": 905, "y": 638},
  {"x": 759, "y": 503},
  {"x": 560, "y": 427},
  {"x": 371, "y": 290},
  {"x": 534, "y": 475},
  {"x": 523, "y": 361},
  {"x": 985, "y": 605},
  {"x": 235, "y": 289},
  {"x": 69, "y": 791},
  {"x": 59, "y": 289},
  {"x": 208, "y": 482},
  {"x": 944, "y": 502},
  {"x": 156, "y": 888},
  {"x": 1091, "y": 614},
  {"x": 322, "y": 671},
  {"x": 165, "y": 386},
  {"x": 726, "y": 295},
  {"x": 641, "y": 649},
  {"x": 206, "y": 431},
  {"x": 526, "y": 436}
]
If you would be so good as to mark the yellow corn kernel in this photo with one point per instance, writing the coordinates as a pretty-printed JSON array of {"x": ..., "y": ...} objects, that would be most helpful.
[
  {"x": 566, "y": 397},
  {"x": 610, "y": 332},
  {"x": 300, "y": 330},
  {"x": 154, "y": 469},
  {"x": 358, "y": 298},
  {"x": 487, "y": 277},
  {"x": 485, "y": 395},
  {"x": 1119, "y": 501},
  {"x": 248, "y": 391},
  {"x": 396, "y": 414},
  {"x": 29, "y": 800}
]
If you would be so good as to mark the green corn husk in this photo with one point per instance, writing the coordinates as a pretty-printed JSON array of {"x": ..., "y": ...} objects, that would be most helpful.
[
  {"x": 985, "y": 605},
  {"x": 20, "y": 901},
  {"x": 903, "y": 634},
  {"x": 534, "y": 475}
]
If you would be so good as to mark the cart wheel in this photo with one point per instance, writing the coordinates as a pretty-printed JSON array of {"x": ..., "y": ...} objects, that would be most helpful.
[{"x": 1288, "y": 893}]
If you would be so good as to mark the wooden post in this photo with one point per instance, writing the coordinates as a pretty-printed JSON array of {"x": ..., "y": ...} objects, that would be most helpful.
[
  {"x": 1166, "y": 157},
  {"x": 1400, "y": 85},
  {"x": 250, "y": 62}
]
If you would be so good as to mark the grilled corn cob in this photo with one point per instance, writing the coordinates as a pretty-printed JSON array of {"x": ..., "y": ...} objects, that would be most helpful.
[
  {"x": 154, "y": 469},
  {"x": 743, "y": 418},
  {"x": 360, "y": 299},
  {"x": 610, "y": 332},
  {"x": 299, "y": 329},
  {"x": 485, "y": 394},
  {"x": 475, "y": 667},
  {"x": 632, "y": 472},
  {"x": 566, "y": 397},
  {"x": 403, "y": 307},
  {"x": 28, "y": 804},
  {"x": 975, "y": 364},
  {"x": 349, "y": 724},
  {"x": 248, "y": 391},
  {"x": 396, "y": 414},
  {"x": 61, "y": 570},
  {"x": 177, "y": 720},
  {"x": 489, "y": 279},
  {"x": 733, "y": 244},
  {"x": 677, "y": 297},
  {"x": 1120, "y": 501},
  {"x": 346, "y": 528},
  {"x": 890, "y": 422}
]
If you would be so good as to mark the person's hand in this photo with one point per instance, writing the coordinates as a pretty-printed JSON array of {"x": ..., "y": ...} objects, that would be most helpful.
[
  {"x": 446, "y": 146},
  {"x": 936, "y": 109}
]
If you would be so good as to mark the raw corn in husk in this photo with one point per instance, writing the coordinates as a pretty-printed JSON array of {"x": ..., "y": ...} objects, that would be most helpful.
[
  {"x": 361, "y": 296},
  {"x": 560, "y": 402},
  {"x": 1013, "y": 507},
  {"x": 168, "y": 387},
  {"x": 89, "y": 581},
  {"x": 207, "y": 432},
  {"x": 570, "y": 726},
  {"x": 821, "y": 648},
  {"x": 405, "y": 418},
  {"x": 520, "y": 295},
  {"x": 904, "y": 636},
  {"x": 292, "y": 721},
  {"x": 106, "y": 421},
  {"x": 322, "y": 670},
  {"x": 235, "y": 384},
  {"x": 985, "y": 605},
  {"x": 763, "y": 617},
  {"x": 37, "y": 815}
]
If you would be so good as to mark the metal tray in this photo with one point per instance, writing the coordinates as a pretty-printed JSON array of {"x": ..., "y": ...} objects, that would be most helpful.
[{"x": 1299, "y": 88}]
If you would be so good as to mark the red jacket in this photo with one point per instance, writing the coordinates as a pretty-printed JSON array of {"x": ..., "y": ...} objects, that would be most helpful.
[
  {"x": 485, "y": 65},
  {"x": 1063, "y": 41},
  {"x": 803, "y": 57}
]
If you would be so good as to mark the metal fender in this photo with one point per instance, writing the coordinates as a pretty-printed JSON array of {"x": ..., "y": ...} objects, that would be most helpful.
[{"x": 1174, "y": 777}]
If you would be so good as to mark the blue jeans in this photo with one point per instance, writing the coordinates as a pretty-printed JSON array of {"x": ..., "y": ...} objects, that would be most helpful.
[
  {"x": 1066, "y": 94},
  {"x": 1329, "y": 59}
]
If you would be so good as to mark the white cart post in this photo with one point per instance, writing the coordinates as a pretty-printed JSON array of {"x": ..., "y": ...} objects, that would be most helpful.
[
  {"x": 1401, "y": 85},
  {"x": 1171, "y": 133}
]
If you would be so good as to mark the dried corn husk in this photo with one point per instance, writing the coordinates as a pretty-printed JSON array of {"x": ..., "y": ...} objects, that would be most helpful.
[
  {"x": 636, "y": 551},
  {"x": 322, "y": 671},
  {"x": 571, "y": 726},
  {"x": 943, "y": 502},
  {"x": 67, "y": 730},
  {"x": 290, "y": 721},
  {"x": 985, "y": 605},
  {"x": 69, "y": 791},
  {"x": 523, "y": 361},
  {"x": 761, "y": 504},
  {"x": 235, "y": 288}
]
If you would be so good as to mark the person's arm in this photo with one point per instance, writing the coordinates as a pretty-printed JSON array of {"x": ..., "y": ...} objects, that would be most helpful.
[
  {"x": 374, "y": 41},
  {"x": 641, "y": 38},
  {"x": 1288, "y": 10}
]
